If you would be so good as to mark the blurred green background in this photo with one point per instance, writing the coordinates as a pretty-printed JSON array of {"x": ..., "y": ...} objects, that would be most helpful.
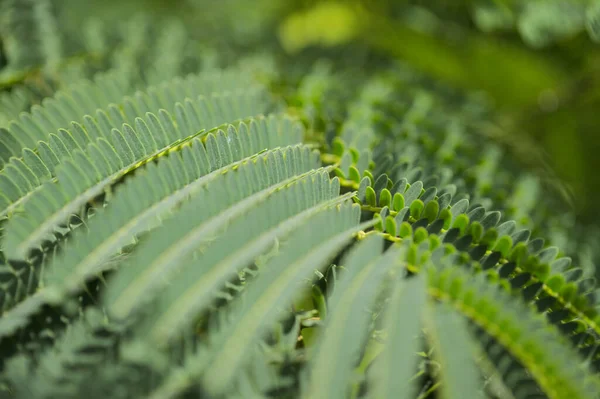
[{"x": 537, "y": 61}]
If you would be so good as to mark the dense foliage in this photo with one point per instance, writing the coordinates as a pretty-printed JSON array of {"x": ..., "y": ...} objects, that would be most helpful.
[{"x": 278, "y": 200}]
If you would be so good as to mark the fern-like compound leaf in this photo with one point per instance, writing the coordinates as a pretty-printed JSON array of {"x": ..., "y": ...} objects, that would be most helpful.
[
  {"x": 192, "y": 289},
  {"x": 199, "y": 102},
  {"x": 554, "y": 364},
  {"x": 311, "y": 247},
  {"x": 223, "y": 204},
  {"x": 79, "y": 181},
  {"x": 179, "y": 176}
]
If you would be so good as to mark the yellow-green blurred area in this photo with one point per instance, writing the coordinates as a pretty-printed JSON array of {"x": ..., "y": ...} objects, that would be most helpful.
[{"x": 538, "y": 61}]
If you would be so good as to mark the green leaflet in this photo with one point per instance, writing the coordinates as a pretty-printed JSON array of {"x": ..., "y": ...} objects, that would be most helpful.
[
  {"x": 66, "y": 106},
  {"x": 313, "y": 244},
  {"x": 524, "y": 333}
]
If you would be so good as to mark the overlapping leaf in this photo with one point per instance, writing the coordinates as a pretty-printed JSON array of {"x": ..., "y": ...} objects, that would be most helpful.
[
  {"x": 334, "y": 357},
  {"x": 311, "y": 247},
  {"x": 87, "y": 174},
  {"x": 196, "y": 102},
  {"x": 553, "y": 362},
  {"x": 171, "y": 181},
  {"x": 253, "y": 224}
]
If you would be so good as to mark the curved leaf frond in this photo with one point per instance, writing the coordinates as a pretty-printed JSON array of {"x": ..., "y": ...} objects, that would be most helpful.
[
  {"x": 312, "y": 245},
  {"x": 179, "y": 176},
  {"x": 525, "y": 333},
  {"x": 81, "y": 179},
  {"x": 272, "y": 221},
  {"x": 199, "y": 102},
  {"x": 159, "y": 255}
]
